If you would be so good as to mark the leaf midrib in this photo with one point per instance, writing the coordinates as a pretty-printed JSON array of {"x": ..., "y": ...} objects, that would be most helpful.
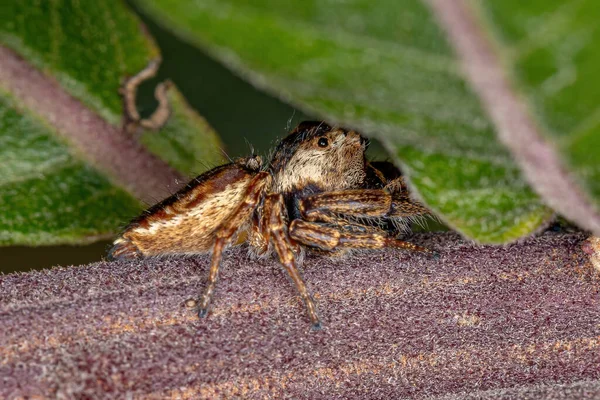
[{"x": 125, "y": 161}]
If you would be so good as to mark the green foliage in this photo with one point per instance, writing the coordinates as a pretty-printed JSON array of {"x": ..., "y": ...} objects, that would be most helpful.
[
  {"x": 48, "y": 195},
  {"x": 386, "y": 69},
  {"x": 50, "y": 192},
  {"x": 552, "y": 50},
  {"x": 88, "y": 46},
  {"x": 187, "y": 141}
]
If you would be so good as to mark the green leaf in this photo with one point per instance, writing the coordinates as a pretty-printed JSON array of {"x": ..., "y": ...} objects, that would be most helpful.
[
  {"x": 187, "y": 142},
  {"x": 48, "y": 195},
  {"x": 552, "y": 52},
  {"x": 388, "y": 69},
  {"x": 69, "y": 172},
  {"x": 89, "y": 47}
]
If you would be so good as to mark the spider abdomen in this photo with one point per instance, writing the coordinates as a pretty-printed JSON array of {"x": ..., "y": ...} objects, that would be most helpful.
[{"x": 186, "y": 222}]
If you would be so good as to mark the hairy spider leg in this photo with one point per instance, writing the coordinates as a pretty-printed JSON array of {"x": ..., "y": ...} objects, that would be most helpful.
[
  {"x": 356, "y": 202},
  {"x": 359, "y": 203},
  {"x": 226, "y": 232},
  {"x": 274, "y": 209},
  {"x": 323, "y": 208},
  {"x": 397, "y": 185},
  {"x": 261, "y": 238},
  {"x": 328, "y": 237},
  {"x": 402, "y": 204},
  {"x": 258, "y": 238}
]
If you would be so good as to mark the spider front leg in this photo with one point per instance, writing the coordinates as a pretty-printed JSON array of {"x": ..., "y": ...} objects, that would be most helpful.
[
  {"x": 360, "y": 203},
  {"x": 402, "y": 204},
  {"x": 324, "y": 228},
  {"x": 274, "y": 208},
  {"x": 227, "y": 231},
  {"x": 330, "y": 237}
]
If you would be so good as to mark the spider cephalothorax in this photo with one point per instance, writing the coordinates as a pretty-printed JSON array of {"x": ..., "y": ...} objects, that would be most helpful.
[
  {"x": 318, "y": 192},
  {"x": 316, "y": 154}
]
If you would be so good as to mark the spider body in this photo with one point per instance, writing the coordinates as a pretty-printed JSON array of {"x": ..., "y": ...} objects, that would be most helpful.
[{"x": 318, "y": 192}]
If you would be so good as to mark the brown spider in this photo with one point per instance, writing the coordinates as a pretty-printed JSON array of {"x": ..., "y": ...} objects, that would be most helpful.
[{"x": 318, "y": 192}]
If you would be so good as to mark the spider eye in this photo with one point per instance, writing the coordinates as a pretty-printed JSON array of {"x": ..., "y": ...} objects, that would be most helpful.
[{"x": 323, "y": 142}]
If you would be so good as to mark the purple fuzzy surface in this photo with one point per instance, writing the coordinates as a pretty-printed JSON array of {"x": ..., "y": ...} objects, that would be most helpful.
[{"x": 517, "y": 321}]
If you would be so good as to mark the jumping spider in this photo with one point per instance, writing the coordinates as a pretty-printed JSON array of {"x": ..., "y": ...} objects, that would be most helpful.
[{"x": 318, "y": 192}]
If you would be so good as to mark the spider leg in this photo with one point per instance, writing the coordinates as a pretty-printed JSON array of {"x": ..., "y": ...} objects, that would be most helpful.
[
  {"x": 404, "y": 206},
  {"x": 258, "y": 237},
  {"x": 360, "y": 203},
  {"x": 331, "y": 237},
  {"x": 213, "y": 274},
  {"x": 274, "y": 217},
  {"x": 397, "y": 185},
  {"x": 227, "y": 231}
]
